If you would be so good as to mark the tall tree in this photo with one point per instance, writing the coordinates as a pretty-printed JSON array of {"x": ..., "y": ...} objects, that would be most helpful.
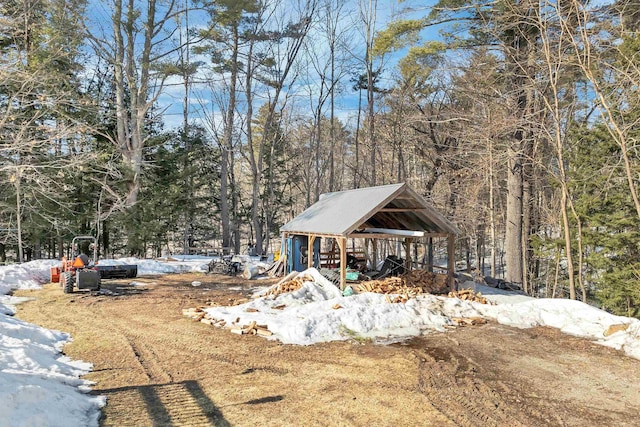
[
  {"x": 230, "y": 21},
  {"x": 137, "y": 48},
  {"x": 505, "y": 26},
  {"x": 271, "y": 63},
  {"x": 42, "y": 110}
]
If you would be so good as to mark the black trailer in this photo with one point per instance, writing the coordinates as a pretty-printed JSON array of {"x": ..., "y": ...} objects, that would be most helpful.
[{"x": 117, "y": 271}]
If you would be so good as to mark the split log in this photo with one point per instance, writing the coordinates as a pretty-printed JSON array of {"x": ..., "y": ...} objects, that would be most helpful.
[
  {"x": 288, "y": 285},
  {"x": 616, "y": 328},
  {"x": 464, "y": 321}
]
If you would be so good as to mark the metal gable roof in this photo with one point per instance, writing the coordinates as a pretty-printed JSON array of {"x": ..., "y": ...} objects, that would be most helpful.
[{"x": 393, "y": 206}]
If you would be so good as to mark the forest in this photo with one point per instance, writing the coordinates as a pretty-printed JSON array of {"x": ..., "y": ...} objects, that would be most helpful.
[{"x": 163, "y": 125}]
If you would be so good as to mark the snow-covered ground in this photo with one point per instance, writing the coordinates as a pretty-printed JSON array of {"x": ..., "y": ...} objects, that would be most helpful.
[
  {"x": 40, "y": 386},
  {"x": 318, "y": 312}
]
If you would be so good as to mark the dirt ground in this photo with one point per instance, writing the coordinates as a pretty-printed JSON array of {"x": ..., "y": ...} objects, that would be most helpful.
[{"x": 159, "y": 368}]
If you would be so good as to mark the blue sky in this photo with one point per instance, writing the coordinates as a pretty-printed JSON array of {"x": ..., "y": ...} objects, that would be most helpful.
[
  {"x": 171, "y": 101},
  {"x": 347, "y": 104}
]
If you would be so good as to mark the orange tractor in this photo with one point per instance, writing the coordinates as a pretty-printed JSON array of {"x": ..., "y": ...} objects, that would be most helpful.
[{"x": 82, "y": 271}]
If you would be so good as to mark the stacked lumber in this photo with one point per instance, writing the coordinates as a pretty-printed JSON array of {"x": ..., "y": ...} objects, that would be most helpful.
[
  {"x": 276, "y": 269},
  {"x": 468, "y": 295},
  {"x": 288, "y": 285}
]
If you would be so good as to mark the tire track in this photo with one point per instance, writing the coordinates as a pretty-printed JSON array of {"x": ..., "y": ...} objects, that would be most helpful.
[
  {"x": 148, "y": 360},
  {"x": 463, "y": 397}
]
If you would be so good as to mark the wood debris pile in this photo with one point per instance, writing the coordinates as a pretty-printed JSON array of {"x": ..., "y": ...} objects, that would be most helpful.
[
  {"x": 288, "y": 285},
  {"x": 415, "y": 283},
  {"x": 397, "y": 299},
  {"x": 429, "y": 281},
  {"x": 196, "y": 313},
  {"x": 409, "y": 285},
  {"x": 252, "y": 329},
  {"x": 468, "y": 295},
  {"x": 199, "y": 315},
  {"x": 391, "y": 285}
]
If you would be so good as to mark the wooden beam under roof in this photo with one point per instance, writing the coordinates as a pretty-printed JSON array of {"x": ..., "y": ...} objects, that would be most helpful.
[
  {"x": 410, "y": 209},
  {"x": 362, "y": 235}
]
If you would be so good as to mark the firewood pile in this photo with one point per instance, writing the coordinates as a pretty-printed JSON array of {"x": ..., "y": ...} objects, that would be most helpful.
[
  {"x": 429, "y": 281},
  {"x": 288, "y": 285},
  {"x": 411, "y": 284},
  {"x": 199, "y": 315},
  {"x": 468, "y": 295},
  {"x": 391, "y": 285},
  {"x": 252, "y": 328}
]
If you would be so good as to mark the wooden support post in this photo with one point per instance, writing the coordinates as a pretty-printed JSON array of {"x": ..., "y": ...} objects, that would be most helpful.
[
  {"x": 365, "y": 248},
  {"x": 451, "y": 254},
  {"x": 310, "y": 240},
  {"x": 283, "y": 253},
  {"x": 374, "y": 257},
  {"x": 342, "y": 244},
  {"x": 407, "y": 253}
]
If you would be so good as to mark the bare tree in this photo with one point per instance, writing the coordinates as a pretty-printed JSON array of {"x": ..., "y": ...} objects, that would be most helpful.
[
  {"x": 45, "y": 138},
  {"x": 137, "y": 47},
  {"x": 273, "y": 65}
]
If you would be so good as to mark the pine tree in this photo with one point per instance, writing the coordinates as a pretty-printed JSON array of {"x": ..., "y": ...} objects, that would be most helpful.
[
  {"x": 611, "y": 228},
  {"x": 42, "y": 110}
]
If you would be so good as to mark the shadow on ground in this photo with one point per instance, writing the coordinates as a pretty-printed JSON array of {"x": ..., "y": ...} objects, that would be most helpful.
[{"x": 166, "y": 405}]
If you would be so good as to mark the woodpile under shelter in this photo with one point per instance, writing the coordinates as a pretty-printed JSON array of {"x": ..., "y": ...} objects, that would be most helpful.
[{"x": 384, "y": 212}]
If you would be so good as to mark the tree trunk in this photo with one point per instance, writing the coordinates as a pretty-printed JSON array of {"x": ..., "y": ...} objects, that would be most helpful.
[
  {"x": 17, "y": 183},
  {"x": 492, "y": 214},
  {"x": 568, "y": 245},
  {"x": 370, "y": 24},
  {"x": 356, "y": 167},
  {"x": 227, "y": 146},
  {"x": 513, "y": 237}
]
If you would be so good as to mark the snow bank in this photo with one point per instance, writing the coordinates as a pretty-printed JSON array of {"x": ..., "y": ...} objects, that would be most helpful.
[
  {"x": 33, "y": 274},
  {"x": 29, "y": 275},
  {"x": 317, "y": 312},
  {"x": 151, "y": 266},
  {"x": 38, "y": 385},
  {"x": 571, "y": 317}
]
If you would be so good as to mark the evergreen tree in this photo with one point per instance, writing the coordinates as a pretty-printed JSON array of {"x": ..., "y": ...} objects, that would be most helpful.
[
  {"x": 611, "y": 228},
  {"x": 42, "y": 109},
  {"x": 223, "y": 41}
]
